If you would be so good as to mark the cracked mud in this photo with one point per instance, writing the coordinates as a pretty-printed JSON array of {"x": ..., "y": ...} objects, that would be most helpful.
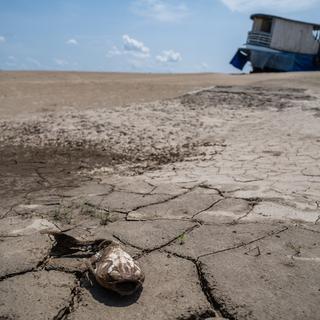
[{"x": 215, "y": 192}]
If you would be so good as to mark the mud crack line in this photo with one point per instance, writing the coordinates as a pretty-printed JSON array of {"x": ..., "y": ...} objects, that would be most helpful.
[
  {"x": 270, "y": 234},
  {"x": 147, "y": 251},
  {"x": 74, "y": 297},
  {"x": 217, "y": 306}
]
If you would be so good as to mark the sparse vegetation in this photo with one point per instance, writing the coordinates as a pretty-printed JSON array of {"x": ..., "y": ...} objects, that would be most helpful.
[
  {"x": 62, "y": 214},
  {"x": 296, "y": 248},
  {"x": 182, "y": 239},
  {"x": 104, "y": 218}
]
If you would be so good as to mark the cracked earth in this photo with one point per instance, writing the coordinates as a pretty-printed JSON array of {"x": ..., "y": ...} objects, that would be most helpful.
[{"x": 216, "y": 192}]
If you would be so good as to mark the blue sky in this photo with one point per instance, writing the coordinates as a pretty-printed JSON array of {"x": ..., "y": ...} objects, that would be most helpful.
[{"x": 132, "y": 35}]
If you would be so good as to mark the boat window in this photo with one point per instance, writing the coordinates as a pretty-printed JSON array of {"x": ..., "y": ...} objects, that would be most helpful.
[
  {"x": 266, "y": 25},
  {"x": 316, "y": 34}
]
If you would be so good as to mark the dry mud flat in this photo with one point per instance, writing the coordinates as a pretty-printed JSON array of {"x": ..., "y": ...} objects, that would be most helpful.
[{"x": 216, "y": 192}]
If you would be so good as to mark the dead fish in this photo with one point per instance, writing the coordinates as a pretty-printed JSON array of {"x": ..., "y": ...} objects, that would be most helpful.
[
  {"x": 112, "y": 267},
  {"x": 115, "y": 269}
]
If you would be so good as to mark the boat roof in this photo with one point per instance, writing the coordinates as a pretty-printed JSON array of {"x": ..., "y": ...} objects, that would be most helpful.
[{"x": 262, "y": 15}]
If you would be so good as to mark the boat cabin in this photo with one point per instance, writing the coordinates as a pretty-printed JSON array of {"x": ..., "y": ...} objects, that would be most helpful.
[{"x": 284, "y": 34}]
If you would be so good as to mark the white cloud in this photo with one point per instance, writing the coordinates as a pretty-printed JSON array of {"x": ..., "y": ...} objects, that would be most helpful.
[
  {"x": 169, "y": 56},
  {"x": 131, "y": 47},
  {"x": 33, "y": 62},
  {"x": 12, "y": 61},
  {"x": 2, "y": 39},
  {"x": 161, "y": 10},
  {"x": 60, "y": 62},
  {"x": 72, "y": 41},
  {"x": 204, "y": 66},
  {"x": 136, "y": 64},
  {"x": 135, "y": 47},
  {"x": 273, "y": 5},
  {"x": 114, "y": 51}
]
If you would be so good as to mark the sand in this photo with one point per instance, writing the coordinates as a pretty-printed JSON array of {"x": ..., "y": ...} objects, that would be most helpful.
[{"x": 28, "y": 92}]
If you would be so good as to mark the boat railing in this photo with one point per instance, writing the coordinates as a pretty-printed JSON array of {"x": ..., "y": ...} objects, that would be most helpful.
[{"x": 259, "y": 39}]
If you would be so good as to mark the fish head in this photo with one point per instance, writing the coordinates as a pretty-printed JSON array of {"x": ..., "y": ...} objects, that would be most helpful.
[{"x": 116, "y": 270}]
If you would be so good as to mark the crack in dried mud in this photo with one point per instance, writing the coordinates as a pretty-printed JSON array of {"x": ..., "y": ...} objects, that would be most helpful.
[
  {"x": 270, "y": 234},
  {"x": 145, "y": 251},
  {"x": 217, "y": 306},
  {"x": 74, "y": 297}
]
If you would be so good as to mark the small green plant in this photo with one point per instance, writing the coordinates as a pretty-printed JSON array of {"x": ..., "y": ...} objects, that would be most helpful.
[
  {"x": 56, "y": 214},
  {"x": 63, "y": 214},
  {"x": 104, "y": 218},
  {"x": 87, "y": 210},
  {"x": 294, "y": 247},
  {"x": 182, "y": 239}
]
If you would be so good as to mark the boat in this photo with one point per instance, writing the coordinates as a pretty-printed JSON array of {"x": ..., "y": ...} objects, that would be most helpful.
[{"x": 277, "y": 44}]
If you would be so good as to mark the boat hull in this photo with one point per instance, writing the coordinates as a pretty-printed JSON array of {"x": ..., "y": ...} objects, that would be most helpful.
[{"x": 271, "y": 60}]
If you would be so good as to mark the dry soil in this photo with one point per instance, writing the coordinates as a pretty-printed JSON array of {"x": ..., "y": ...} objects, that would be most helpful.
[{"x": 212, "y": 181}]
